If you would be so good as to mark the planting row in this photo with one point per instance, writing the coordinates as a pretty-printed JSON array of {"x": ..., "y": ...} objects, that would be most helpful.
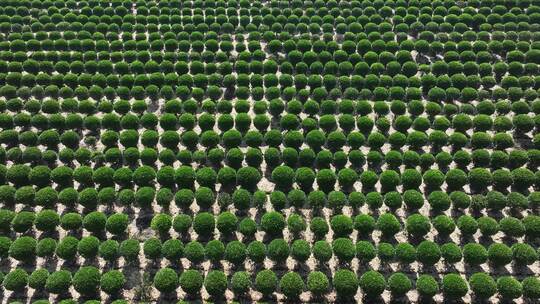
[
  {"x": 314, "y": 138},
  {"x": 155, "y": 7},
  {"x": 242, "y": 122},
  {"x": 283, "y": 176},
  {"x": 115, "y": 72},
  {"x": 274, "y": 156},
  {"x": 25, "y": 249},
  {"x": 258, "y": 93},
  {"x": 243, "y": 199},
  {"x": 88, "y": 281},
  {"x": 336, "y": 74},
  {"x": 427, "y": 27},
  {"x": 118, "y": 114}
]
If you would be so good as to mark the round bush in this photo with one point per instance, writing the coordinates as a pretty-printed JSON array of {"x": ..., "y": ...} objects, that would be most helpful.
[
  {"x": 248, "y": 177},
  {"x": 346, "y": 283},
  {"x": 58, "y": 282},
  {"x": 117, "y": 223},
  {"x": 291, "y": 285},
  {"x": 46, "y": 247},
  {"x": 482, "y": 285},
  {"x": 109, "y": 250},
  {"x": 454, "y": 286},
  {"x": 512, "y": 226},
  {"x": 256, "y": 251},
  {"x": 439, "y": 201},
  {"x": 191, "y": 281},
  {"x": 326, "y": 180},
  {"x": 451, "y": 253},
  {"x": 405, "y": 253},
  {"x": 23, "y": 221},
  {"x": 273, "y": 223},
  {"x": 278, "y": 250},
  {"x": 344, "y": 249},
  {"x": 427, "y": 286},
  {"x": 161, "y": 223},
  {"x": 322, "y": 251},
  {"x": 317, "y": 283},
  {"x": 166, "y": 280},
  {"x": 240, "y": 282},
  {"x": 16, "y": 280},
  {"x": 283, "y": 176},
  {"x": 319, "y": 227},
  {"x": 235, "y": 252},
  {"x": 428, "y": 253},
  {"x": 129, "y": 249},
  {"x": 152, "y": 248},
  {"x": 215, "y": 283},
  {"x": 112, "y": 282},
  {"x": 531, "y": 287},
  {"x": 342, "y": 225},
  {"x": 388, "y": 224},
  {"x": 88, "y": 247},
  {"x": 300, "y": 250},
  {"x": 524, "y": 254},
  {"x": 23, "y": 249},
  {"x": 266, "y": 282},
  {"x": 204, "y": 224},
  {"x": 509, "y": 288},
  {"x": 95, "y": 222},
  {"x": 399, "y": 284},
  {"x": 247, "y": 227},
  {"x": 499, "y": 254},
  {"x": 372, "y": 283},
  {"x": 86, "y": 280},
  {"x": 417, "y": 225}
]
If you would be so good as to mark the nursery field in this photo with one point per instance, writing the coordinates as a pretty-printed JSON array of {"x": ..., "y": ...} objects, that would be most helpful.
[{"x": 323, "y": 151}]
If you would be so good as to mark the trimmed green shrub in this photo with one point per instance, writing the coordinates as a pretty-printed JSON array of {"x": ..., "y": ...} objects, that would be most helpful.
[
  {"x": 240, "y": 282},
  {"x": 346, "y": 283},
  {"x": 204, "y": 224},
  {"x": 273, "y": 223},
  {"x": 399, "y": 284},
  {"x": 112, "y": 282},
  {"x": 428, "y": 253},
  {"x": 499, "y": 254},
  {"x": 266, "y": 282},
  {"x": 317, "y": 283},
  {"x": 509, "y": 287},
  {"x": 58, "y": 282},
  {"x": 344, "y": 249},
  {"x": 388, "y": 224},
  {"x": 215, "y": 283},
  {"x": 86, "y": 280},
  {"x": 531, "y": 287},
  {"x": 130, "y": 249},
  {"x": 88, "y": 247},
  {"x": 427, "y": 286},
  {"x": 291, "y": 285},
  {"x": 417, "y": 225},
  {"x": 342, "y": 225},
  {"x": 451, "y": 253},
  {"x": 166, "y": 280},
  {"x": 23, "y": 249},
  {"x": 482, "y": 285},
  {"x": 372, "y": 283},
  {"x": 191, "y": 281},
  {"x": 454, "y": 286},
  {"x": 16, "y": 280},
  {"x": 300, "y": 250},
  {"x": 474, "y": 254}
]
